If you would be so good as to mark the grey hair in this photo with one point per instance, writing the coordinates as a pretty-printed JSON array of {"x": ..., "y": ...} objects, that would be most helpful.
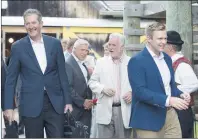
[
  {"x": 80, "y": 42},
  {"x": 177, "y": 48},
  {"x": 119, "y": 36},
  {"x": 32, "y": 11}
]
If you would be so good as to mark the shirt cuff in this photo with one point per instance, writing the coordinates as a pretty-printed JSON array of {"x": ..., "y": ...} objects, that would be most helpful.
[{"x": 167, "y": 102}]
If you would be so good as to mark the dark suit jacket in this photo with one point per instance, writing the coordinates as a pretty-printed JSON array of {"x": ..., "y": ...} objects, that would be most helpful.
[
  {"x": 23, "y": 61},
  {"x": 148, "y": 97},
  {"x": 78, "y": 85},
  {"x": 3, "y": 79}
]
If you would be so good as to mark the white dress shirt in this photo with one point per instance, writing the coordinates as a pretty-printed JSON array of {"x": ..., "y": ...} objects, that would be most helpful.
[
  {"x": 39, "y": 50},
  {"x": 83, "y": 69},
  {"x": 117, "y": 78},
  {"x": 185, "y": 76},
  {"x": 2, "y": 120},
  {"x": 164, "y": 72}
]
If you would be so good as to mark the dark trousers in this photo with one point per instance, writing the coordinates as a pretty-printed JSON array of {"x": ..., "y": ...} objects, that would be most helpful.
[
  {"x": 48, "y": 119},
  {"x": 186, "y": 120},
  {"x": 85, "y": 119}
]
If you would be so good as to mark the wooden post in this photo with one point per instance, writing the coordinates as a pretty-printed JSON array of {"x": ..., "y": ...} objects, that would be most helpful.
[
  {"x": 179, "y": 18},
  {"x": 132, "y": 12}
]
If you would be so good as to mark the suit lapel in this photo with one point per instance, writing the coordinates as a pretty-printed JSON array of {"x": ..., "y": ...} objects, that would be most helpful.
[
  {"x": 77, "y": 68},
  {"x": 169, "y": 66},
  {"x": 30, "y": 51},
  {"x": 48, "y": 47},
  {"x": 153, "y": 66},
  {"x": 124, "y": 72},
  {"x": 110, "y": 68}
]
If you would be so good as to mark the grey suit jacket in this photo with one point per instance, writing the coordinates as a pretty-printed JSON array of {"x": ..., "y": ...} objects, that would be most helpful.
[{"x": 78, "y": 86}]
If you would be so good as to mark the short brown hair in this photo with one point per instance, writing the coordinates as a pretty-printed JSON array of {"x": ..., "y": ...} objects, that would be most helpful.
[{"x": 156, "y": 26}]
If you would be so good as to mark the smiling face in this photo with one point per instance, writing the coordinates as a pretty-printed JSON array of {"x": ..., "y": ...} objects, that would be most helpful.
[
  {"x": 81, "y": 52},
  {"x": 157, "y": 41},
  {"x": 115, "y": 47},
  {"x": 33, "y": 26}
]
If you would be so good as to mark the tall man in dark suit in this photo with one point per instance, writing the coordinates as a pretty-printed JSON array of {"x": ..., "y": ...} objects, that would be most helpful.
[
  {"x": 154, "y": 90},
  {"x": 78, "y": 76},
  {"x": 45, "y": 91}
]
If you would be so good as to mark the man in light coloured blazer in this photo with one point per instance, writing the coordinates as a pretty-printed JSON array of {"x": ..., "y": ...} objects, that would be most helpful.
[{"x": 110, "y": 83}]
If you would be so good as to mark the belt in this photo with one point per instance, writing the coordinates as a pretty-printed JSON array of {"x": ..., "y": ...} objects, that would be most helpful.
[
  {"x": 116, "y": 105},
  {"x": 169, "y": 108}
]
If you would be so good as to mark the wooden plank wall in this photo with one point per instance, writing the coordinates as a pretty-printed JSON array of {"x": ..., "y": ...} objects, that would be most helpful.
[{"x": 70, "y": 9}]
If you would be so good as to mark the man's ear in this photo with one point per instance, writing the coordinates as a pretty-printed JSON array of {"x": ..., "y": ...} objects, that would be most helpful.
[
  {"x": 171, "y": 48},
  {"x": 41, "y": 23},
  {"x": 148, "y": 38}
]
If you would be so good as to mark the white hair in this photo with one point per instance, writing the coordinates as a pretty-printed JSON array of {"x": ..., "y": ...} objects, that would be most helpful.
[
  {"x": 80, "y": 42},
  {"x": 119, "y": 36}
]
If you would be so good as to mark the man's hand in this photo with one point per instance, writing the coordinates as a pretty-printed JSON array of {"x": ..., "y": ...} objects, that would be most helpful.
[
  {"x": 186, "y": 97},
  {"x": 90, "y": 70},
  {"x": 68, "y": 107},
  {"x": 9, "y": 115},
  {"x": 109, "y": 92},
  {"x": 88, "y": 104},
  {"x": 127, "y": 97},
  {"x": 178, "y": 103}
]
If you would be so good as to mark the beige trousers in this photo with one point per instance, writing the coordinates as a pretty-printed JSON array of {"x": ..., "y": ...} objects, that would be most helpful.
[{"x": 171, "y": 128}]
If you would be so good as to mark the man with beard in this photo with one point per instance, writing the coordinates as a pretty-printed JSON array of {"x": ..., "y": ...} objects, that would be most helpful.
[{"x": 110, "y": 83}]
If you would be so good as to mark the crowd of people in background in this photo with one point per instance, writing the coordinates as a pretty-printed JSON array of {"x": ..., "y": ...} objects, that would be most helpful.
[{"x": 148, "y": 95}]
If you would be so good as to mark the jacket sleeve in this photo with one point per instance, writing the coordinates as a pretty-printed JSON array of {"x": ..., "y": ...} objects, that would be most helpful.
[
  {"x": 76, "y": 98},
  {"x": 11, "y": 79},
  {"x": 63, "y": 75},
  {"x": 94, "y": 82}
]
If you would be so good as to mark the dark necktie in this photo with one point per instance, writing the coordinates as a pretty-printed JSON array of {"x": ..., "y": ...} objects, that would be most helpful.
[{"x": 88, "y": 77}]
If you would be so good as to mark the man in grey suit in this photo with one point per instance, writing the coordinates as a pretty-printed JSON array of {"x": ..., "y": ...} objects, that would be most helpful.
[
  {"x": 44, "y": 96},
  {"x": 78, "y": 76}
]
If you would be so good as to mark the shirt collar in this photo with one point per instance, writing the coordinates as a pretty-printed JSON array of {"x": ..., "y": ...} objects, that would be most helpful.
[
  {"x": 176, "y": 56},
  {"x": 161, "y": 56},
  {"x": 117, "y": 61},
  {"x": 77, "y": 60},
  {"x": 33, "y": 42}
]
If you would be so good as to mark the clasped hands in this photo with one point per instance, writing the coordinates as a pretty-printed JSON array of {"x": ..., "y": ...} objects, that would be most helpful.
[
  {"x": 111, "y": 92},
  {"x": 180, "y": 103}
]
